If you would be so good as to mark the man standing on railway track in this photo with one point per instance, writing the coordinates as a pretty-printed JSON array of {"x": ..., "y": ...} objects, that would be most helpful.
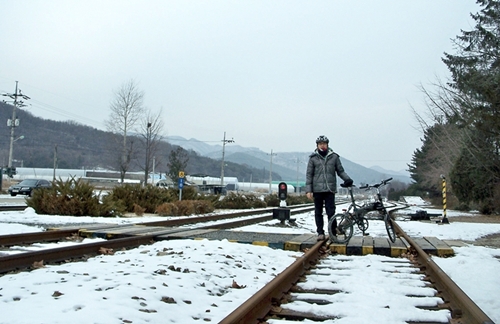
[{"x": 321, "y": 181}]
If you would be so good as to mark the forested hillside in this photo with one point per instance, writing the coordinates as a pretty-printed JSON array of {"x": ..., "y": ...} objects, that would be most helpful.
[{"x": 77, "y": 146}]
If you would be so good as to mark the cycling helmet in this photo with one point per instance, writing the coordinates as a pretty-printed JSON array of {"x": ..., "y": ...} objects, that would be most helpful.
[{"x": 322, "y": 139}]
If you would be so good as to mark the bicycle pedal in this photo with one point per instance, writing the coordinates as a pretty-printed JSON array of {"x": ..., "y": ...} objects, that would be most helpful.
[{"x": 366, "y": 234}]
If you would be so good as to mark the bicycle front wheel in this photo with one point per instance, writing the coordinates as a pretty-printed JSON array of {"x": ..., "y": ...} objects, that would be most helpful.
[
  {"x": 389, "y": 226},
  {"x": 340, "y": 228}
]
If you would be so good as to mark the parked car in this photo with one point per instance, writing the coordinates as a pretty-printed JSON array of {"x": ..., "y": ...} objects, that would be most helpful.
[
  {"x": 163, "y": 183},
  {"x": 27, "y": 186}
]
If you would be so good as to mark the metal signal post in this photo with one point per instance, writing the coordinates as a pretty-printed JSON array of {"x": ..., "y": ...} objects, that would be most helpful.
[
  {"x": 283, "y": 212},
  {"x": 180, "y": 184}
]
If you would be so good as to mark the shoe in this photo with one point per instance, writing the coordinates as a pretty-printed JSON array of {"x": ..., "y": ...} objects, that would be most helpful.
[{"x": 321, "y": 237}]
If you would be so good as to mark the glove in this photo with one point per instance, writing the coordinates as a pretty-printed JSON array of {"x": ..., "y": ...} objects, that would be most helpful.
[{"x": 348, "y": 183}]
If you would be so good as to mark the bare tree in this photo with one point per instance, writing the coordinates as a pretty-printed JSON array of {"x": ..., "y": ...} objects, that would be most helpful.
[
  {"x": 126, "y": 109},
  {"x": 151, "y": 127},
  {"x": 447, "y": 134},
  {"x": 443, "y": 137}
]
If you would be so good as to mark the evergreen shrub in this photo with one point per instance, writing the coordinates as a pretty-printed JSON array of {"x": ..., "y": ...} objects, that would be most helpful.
[
  {"x": 239, "y": 201},
  {"x": 297, "y": 200},
  {"x": 138, "y": 210},
  {"x": 71, "y": 197},
  {"x": 148, "y": 197},
  {"x": 76, "y": 197},
  {"x": 273, "y": 200},
  {"x": 167, "y": 209},
  {"x": 185, "y": 208}
]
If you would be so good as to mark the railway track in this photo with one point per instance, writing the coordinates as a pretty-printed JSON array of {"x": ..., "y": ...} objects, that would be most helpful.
[
  {"x": 322, "y": 279},
  {"x": 286, "y": 296},
  {"x": 58, "y": 234},
  {"x": 26, "y": 260}
]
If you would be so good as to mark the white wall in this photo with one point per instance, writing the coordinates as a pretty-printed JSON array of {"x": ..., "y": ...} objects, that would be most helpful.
[
  {"x": 48, "y": 174},
  {"x": 262, "y": 187}
]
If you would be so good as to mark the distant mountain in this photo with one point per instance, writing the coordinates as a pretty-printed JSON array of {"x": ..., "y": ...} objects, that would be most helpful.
[
  {"x": 382, "y": 170},
  {"x": 291, "y": 166},
  {"x": 75, "y": 146},
  {"x": 205, "y": 149}
]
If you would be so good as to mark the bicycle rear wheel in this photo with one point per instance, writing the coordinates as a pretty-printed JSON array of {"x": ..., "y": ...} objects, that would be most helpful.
[
  {"x": 340, "y": 228},
  {"x": 389, "y": 226}
]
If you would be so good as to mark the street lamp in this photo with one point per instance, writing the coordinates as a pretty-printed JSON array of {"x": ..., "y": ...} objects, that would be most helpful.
[
  {"x": 224, "y": 141},
  {"x": 12, "y": 141}
]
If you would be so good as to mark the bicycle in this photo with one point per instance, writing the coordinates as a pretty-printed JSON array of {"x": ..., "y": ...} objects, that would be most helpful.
[{"x": 341, "y": 226}]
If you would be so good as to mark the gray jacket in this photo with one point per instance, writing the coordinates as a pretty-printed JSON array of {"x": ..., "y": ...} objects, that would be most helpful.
[{"x": 321, "y": 174}]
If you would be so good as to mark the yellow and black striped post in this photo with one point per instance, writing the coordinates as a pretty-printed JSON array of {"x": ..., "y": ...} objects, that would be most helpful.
[{"x": 445, "y": 219}]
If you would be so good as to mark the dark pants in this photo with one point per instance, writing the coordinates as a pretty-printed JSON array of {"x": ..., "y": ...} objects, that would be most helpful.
[{"x": 328, "y": 198}]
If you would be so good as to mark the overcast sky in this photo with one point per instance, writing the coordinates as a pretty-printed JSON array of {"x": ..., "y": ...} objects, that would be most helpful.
[{"x": 271, "y": 74}]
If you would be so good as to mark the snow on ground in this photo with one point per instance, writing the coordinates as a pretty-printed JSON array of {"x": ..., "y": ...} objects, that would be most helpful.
[
  {"x": 414, "y": 201},
  {"x": 190, "y": 281}
]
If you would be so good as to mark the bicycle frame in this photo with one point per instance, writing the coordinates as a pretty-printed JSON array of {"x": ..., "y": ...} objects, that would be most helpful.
[
  {"x": 353, "y": 214},
  {"x": 378, "y": 205},
  {"x": 354, "y": 210},
  {"x": 340, "y": 226}
]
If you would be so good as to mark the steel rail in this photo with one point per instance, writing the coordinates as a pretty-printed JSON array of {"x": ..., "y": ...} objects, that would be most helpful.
[
  {"x": 461, "y": 306},
  {"x": 58, "y": 234},
  {"x": 201, "y": 219},
  {"x": 25, "y": 238},
  {"x": 257, "y": 306},
  {"x": 26, "y": 260},
  {"x": 239, "y": 223},
  {"x": 12, "y": 207},
  {"x": 248, "y": 221}
]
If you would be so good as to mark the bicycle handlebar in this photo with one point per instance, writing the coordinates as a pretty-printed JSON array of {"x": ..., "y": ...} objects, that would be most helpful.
[
  {"x": 367, "y": 186},
  {"x": 381, "y": 183}
]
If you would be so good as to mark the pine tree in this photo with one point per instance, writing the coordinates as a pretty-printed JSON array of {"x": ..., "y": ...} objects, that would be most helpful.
[
  {"x": 467, "y": 108},
  {"x": 177, "y": 161}
]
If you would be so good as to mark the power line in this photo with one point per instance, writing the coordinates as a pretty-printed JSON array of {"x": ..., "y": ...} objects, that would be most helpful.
[{"x": 50, "y": 108}]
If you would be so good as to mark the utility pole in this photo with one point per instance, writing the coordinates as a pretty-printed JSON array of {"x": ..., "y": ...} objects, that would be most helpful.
[
  {"x": 55, "y": 163},
  {"x": 148, "y": 148},
  {"x": 14, "y": 122},
  {"x": 224, "y": 141},
  {"x": 297, "y": 186},
  {"x": 271, "y": 171},
  {"x": 153, "y": 181}
]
